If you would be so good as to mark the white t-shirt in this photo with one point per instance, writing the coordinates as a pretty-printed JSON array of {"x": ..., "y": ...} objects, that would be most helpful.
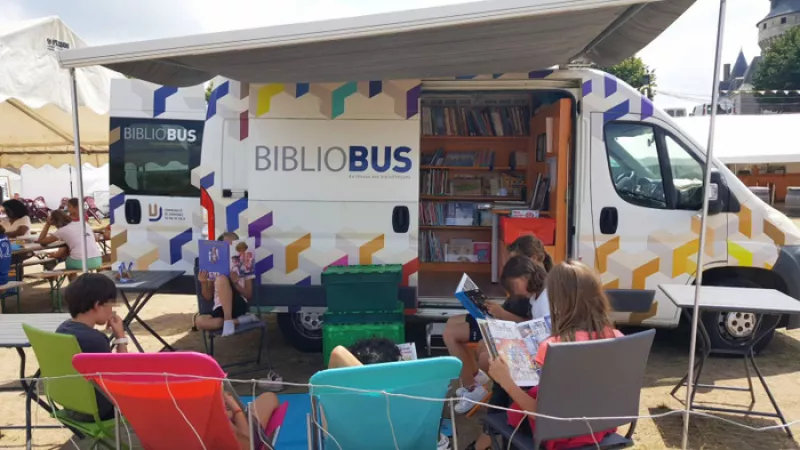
[
  {"x": 22, "y": 222},
  {"x": 540, "y": 307},
  {"x": 71, "y": 235}
]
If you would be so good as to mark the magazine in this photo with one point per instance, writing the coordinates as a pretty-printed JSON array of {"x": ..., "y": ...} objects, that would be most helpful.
[
  {"x": 408, "y": 351},
  {"x": 518, "y": 343},
  {"x": 221, "y": 258},
  {"x": 471, "y": 297}
]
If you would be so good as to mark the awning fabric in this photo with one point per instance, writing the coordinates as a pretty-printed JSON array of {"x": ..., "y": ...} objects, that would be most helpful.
[
  {"x": 35, "y": 103},
  {"x": 497, "y": 36},
  {"x": 748, "y": 139}
]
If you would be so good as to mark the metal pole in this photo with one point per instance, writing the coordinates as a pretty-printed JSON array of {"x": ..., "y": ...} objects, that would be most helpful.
[
  {"x": 73, "y": 87},
  {"x": 704, "y": 215}
]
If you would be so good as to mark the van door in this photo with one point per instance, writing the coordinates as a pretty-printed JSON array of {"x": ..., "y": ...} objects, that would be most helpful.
[
  {"x": 646, "y": 193},
  {"x": 156, "y": 210}
]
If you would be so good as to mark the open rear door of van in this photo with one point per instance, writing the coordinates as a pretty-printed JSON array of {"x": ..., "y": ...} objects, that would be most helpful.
[{"x": 500, "y": 36}]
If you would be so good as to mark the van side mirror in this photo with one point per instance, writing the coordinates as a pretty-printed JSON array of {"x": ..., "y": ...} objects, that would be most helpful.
[{"x": 720, "y": 198}]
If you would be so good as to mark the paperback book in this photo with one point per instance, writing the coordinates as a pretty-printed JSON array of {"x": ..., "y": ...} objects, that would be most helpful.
[
  {"x": 220, "y": 258},
  {"x": 518, "y": 343}
]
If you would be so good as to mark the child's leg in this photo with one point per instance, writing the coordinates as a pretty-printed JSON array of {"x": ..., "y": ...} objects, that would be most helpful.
[
  {"x": 60, "y": 253},
  {"x": 208, "y": 322},
  {"x": 484, "y": 358},
  {"x": 224, "y": 290},
  {"x": 263, "y": 406},
  {"x": 456, "y": 336}
]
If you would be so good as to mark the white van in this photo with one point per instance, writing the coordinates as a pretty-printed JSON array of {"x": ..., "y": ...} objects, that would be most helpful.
[{"x": 390, "y": 171}]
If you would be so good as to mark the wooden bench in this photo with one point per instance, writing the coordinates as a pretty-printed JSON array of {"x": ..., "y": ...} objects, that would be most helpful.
[
  {"x": 55, "y": 279},
  {"x": 10, "y": 289},
  {"x": 37, "y": 262}
]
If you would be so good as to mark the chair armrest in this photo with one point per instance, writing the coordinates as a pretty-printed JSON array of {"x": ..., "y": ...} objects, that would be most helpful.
[{"x": 632, "y": 428}]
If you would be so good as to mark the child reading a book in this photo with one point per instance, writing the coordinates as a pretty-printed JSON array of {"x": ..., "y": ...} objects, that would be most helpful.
[
  {"x": 521, "y": 280},
  {"x": 580, "y": 312},
  {"x": 531, "y": 247},
  {"x": 230, "y": 296}
]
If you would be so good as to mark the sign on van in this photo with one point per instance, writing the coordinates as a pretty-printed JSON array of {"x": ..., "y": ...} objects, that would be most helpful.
[{"x": 342, "y": 160}]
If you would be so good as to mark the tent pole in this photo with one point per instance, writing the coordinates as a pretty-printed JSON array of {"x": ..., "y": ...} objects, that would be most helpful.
[
  {"x": 73, "y": 87},
  {"x": 704, "y": 215}
]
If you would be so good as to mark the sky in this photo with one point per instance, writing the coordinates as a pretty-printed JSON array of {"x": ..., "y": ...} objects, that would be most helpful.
[{"x": 682, "y": 56}]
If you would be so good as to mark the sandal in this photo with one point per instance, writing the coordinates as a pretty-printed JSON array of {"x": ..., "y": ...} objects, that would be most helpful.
[{"x": 272, "y": 382}]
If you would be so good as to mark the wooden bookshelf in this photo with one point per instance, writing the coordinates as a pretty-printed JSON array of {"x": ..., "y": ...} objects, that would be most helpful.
[
  {"x": 476, "y": 267},
  {"x": 494, "y": 139},
  {"x": 466, "y": 198}
]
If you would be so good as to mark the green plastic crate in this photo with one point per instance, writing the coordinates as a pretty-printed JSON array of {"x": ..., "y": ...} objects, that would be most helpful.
[
  {"x": 347, "y": 334},
  {"x": 396, "y": 314},
  {"x": 362, "y": 288}
]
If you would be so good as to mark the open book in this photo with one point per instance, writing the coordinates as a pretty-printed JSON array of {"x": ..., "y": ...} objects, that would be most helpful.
[
  {"x": 518, "y": 343},
  {"x": 471, "y": 297},
  {"x": 408, "y": 351},
  {"x": 221, "y": 258}
]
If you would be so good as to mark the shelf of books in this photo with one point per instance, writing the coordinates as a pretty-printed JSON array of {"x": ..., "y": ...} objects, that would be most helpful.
[{"x": 473, "y": 154}]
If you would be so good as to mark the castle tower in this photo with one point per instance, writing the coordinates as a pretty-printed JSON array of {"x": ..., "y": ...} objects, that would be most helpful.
[{"x": 783, "y": 14}]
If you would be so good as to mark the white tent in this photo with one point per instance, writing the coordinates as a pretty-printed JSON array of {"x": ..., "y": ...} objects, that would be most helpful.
[
  {"x": 35, "y": 104},
  {"x": 749, "y": 139}
]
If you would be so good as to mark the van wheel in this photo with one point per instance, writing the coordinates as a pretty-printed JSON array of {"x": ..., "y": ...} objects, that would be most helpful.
[
  {"x": 303, "y": 330},
  {"x": 730, "y": 331}
]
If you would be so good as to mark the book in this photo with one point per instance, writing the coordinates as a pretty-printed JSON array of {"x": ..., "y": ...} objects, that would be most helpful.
[
  {"x": 518, "y": 343},
  {"x": 483, "y": 251},
  {"x": 472, "y": 298},
  {"x": 221, "y": 258},
  {"x": 408, "y": 351},
  {"x": 460, "y": 250}
]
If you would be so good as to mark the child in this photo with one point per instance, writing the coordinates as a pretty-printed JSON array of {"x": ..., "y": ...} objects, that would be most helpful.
[
  {"x": 73, "y": 209},
  {"x": 521, "y": 280},
  {"x": 230, "y": 296},
  {"x": 69, "y": 232},
  {"x": 580, "y": 313},
  {"x": 90, "y": 300},
  {"x": 531, "y": 247},
  {"x": 5, "y": 256}
]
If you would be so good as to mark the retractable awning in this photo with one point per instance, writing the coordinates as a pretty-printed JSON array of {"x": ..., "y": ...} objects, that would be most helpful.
[{"x": 481, "y": 37}]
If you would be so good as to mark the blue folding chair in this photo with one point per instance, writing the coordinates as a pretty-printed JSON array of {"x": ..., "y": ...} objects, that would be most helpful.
[{"x": 358, "y": 420}]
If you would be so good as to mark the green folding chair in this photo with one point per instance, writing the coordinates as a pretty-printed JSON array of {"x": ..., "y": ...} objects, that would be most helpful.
[{"x": 54, "y": 352}]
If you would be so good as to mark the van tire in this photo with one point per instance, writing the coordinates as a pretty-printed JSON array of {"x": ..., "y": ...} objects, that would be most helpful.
[
  {"x": 715, "y": 322},
  {"x": 296, "y": 334}
]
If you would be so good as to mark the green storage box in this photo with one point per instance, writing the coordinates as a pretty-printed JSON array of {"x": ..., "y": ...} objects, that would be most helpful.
[
  {"x": 347, "y": 334},
  {"x": 362, "y": 288},
  {"x": 396, "y": 314}
]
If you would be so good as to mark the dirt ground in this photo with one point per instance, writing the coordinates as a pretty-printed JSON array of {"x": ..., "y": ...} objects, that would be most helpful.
[{"x": 171, "y": 316}]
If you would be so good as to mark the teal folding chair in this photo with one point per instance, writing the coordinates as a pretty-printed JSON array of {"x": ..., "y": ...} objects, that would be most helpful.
[{"x": 356, "y": 420}]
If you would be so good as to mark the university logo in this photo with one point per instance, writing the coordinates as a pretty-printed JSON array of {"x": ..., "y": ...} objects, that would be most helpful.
[{"x": 154, "y": 212}]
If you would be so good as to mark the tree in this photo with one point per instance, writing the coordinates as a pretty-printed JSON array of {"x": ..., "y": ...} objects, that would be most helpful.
[
  {"x": 637, "y": 74},
  {"x": 209, "y": 88},
  {"x": 779, "y": 70}
]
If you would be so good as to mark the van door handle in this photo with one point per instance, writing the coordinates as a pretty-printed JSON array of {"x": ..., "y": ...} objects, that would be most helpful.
[{"x": 609, "y": 219}]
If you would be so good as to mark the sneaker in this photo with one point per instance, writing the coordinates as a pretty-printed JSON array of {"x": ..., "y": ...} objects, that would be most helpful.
[
  {"x": 477, "y": 394},
  {"x": 272, "y": 382},
  {"x": 444, "y": 442},
  {"x": 247, "y": 318},
  {"x": 481, "y": 379}
]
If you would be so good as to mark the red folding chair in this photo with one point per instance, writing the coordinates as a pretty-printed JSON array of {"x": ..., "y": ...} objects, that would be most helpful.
[{"x": 92, "y": 209}]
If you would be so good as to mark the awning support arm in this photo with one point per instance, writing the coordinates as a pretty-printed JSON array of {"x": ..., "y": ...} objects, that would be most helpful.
[
  {"x": 611, "y": 29},
  {"x": 73, "y": 87},
  {"x": 703, "y": 217}
]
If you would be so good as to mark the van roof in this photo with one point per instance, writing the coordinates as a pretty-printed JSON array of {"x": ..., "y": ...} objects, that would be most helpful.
[{"x": 479, "y": 37}]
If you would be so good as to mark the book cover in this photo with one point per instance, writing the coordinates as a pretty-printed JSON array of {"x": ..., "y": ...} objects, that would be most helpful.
[
  {"x": 408, "y": 351},
  {"x": 483, "y": 251},
  {"x": 214, "y": 257},
  {"x": 242, "y": 259},
  {"x": 518, "y": 343},
  {"x": 471, "y": 297}
]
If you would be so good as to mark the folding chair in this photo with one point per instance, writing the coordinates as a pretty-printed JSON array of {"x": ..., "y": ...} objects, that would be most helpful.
[
  {"x": 600, "y": 378},
  {"x": 182, "y": 410},
  {"x": 205, "y": 307},
  {"x": 54, "y": 352},
  {"x": 357, "y": 420},
  {"x": 92, "y": 209}
]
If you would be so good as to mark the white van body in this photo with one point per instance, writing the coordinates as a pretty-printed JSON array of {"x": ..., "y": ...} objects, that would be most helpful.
[{"x": 314, "y": 172}]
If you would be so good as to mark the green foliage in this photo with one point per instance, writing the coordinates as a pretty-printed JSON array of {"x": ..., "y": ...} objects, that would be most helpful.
[
  {"x": 780, "y": 70},
  {"x": 209, "y": 88},
  {"x": 637, "y": 74}
]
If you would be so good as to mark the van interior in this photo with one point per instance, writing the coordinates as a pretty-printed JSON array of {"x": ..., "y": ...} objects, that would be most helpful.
[{"x": 485, "y": 156}]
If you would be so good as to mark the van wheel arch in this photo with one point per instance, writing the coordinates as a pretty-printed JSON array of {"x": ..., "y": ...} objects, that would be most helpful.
[
  {"x": 302, "y": 332},
  {"x": 720, "y": 325}
]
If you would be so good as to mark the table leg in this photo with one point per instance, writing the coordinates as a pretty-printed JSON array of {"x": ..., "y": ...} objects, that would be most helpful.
[
  {"x": 751, "y": 356},
  {"x": 129, "y": 317},
  {"x": 135, "y": 309}
]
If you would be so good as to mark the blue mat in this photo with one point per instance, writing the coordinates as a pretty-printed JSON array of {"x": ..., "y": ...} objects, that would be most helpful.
[{"x": 294, "y": 435}]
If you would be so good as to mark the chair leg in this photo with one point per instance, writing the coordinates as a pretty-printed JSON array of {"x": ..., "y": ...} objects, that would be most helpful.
[
  {"x": 211, "y": 345},
  {"x": 260, "y": 349},
  {"x": 205, "y": 342}
]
